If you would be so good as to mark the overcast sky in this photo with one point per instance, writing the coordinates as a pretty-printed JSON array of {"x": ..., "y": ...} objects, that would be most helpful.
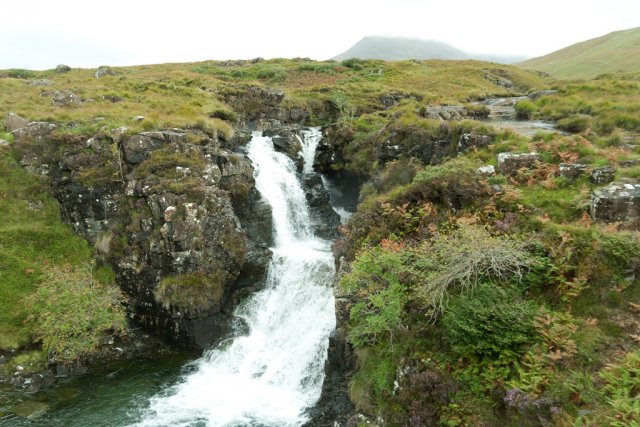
[{"x": 40, "y": 34}]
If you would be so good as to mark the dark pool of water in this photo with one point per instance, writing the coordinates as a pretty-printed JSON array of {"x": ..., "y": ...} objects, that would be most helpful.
[{"x": 112, "y": 395}]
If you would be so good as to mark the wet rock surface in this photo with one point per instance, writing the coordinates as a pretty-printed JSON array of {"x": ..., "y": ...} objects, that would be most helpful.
[{"x": 324, "y": 220}]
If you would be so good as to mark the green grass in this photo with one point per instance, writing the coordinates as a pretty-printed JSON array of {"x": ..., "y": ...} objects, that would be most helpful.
[
  {"x": 32, "y": 239},
  {"x": 617, "y": 52}
]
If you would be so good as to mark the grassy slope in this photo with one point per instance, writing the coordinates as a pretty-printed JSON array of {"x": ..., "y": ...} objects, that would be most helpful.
[
  {"x": 615, "y": 52},
  {"x": 32, "y": 239},
  {"x": 181, "y": 94}
]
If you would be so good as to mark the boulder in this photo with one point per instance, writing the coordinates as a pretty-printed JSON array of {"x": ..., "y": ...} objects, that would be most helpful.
[
  {"x": 510, "y": 163},
  {"x": 33, "y": 132},
  {"x": 104, "y": 71},
  {"x": 486, "y": 170},
  {"x": 62, "y": 68},
  {"x": 629, "y": 163},
  {"x": 41, "y": 82},
  {"x": 603, "y": 175},
  {"x": 63, "y": 98},
  {"x": 138, "y": 147},
  {"x": 617, "y": 203},
  {"x": 14, "y": 122},
  {"x": 469, "y": 141},
  {"x": 572, "y": 170},
  {"x": 4, "y": 143}
]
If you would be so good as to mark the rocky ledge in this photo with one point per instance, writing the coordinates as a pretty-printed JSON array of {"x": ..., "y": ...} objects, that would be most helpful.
[{"x": 174, "y": 212}]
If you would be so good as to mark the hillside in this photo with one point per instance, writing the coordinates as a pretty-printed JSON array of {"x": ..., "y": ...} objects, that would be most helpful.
[
  {"x": 400, "y": 48},
  {"x": 486, "y": 277},
  {"x": 613, "y": 53}
]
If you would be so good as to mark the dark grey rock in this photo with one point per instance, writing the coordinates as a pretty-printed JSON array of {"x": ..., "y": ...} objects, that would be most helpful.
[
  {"x": 510, "y": 163},
  {"x": 469, "y": 141},
  {"x": 603, "y": 175},
  {"x": 324, "y": 220},
  {"x": 617, "y": 203},
  {"x": 573, "y": 170},
  {"x": 629, "y": 163},
  {"x": 138, "y": 147}
]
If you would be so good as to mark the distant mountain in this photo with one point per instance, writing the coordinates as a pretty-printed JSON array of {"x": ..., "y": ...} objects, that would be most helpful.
[
  {"x": 401, "y": 48},
  {"x": 616, "y": 52}
]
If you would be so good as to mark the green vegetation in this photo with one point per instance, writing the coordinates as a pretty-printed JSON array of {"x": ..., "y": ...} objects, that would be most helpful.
[
  {"x": 190, "y": 292},
  {"x": 37, "y": 252},
  {"x": 472, "y": 299},
  {"x": 616, "y": 52},
  {"x": 73, "y": 310},
  {"x": 496, "y": 300}
]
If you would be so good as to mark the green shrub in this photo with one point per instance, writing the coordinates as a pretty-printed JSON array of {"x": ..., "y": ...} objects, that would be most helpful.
[
  {"x": 459, "y": 262},
  {"x": 575, "y": 124},
  {"x": 72, "y": 311},
  {"x": 376, "y": 278},
  {"x": 354, "y": 63},
  {"x": 191, "y": 292},
  {"x": 525, "y": 109},
  {"x": 489, "y": 321}
]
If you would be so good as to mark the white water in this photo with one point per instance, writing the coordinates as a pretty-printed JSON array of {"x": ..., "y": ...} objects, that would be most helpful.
[
  {"x": 310, "y": 141},
  {"x": 272, "y": 375}
]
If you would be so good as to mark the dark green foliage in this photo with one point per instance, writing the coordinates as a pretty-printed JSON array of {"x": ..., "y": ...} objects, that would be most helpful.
[{"x": 489, "y": 321}]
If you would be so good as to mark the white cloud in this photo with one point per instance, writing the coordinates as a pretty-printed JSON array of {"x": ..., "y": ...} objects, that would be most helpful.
[{"x": 43, "y": 33}]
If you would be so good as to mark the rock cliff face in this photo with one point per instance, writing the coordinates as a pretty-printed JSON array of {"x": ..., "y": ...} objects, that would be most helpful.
[{"x": 173, "y": 212}]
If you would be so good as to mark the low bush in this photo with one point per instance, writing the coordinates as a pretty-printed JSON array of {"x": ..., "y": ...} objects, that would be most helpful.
[
  {"x": 575, "y": 124},
  {"x": 525, "y": 109},
  {"x": 489, "y": 321}
]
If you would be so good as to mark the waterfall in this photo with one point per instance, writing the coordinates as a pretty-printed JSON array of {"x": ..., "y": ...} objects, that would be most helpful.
[{"x": 270, "y": 376}]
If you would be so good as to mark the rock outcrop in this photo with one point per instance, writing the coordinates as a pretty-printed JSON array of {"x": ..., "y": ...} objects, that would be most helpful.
[
  {"x": 104, "y": 71},
  {"x": 617, "y": 203},
  {"x": 174, "y": 218},
  {"x": 510, "y": 163}
]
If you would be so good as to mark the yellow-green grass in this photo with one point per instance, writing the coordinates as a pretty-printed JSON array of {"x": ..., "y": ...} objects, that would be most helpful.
[
  {"x": 617, "y": 52},
  {"x": 185, "y": 94}
]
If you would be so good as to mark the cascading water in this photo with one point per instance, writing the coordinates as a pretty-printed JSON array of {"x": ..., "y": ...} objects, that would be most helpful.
[{"x": 270, "y": 376}]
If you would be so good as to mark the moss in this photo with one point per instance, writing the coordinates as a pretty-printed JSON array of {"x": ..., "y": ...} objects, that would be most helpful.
[{"x": 191, "y": 292}]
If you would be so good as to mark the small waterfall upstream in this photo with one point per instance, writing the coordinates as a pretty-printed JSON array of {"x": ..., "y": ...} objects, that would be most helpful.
[{"x": 270, "y": 376}]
